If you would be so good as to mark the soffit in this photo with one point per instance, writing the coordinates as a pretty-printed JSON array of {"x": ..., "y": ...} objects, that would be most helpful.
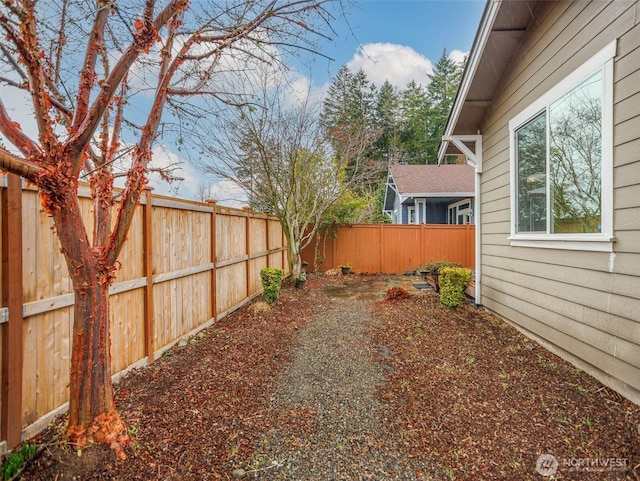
[{"x": 510, "y": 25}]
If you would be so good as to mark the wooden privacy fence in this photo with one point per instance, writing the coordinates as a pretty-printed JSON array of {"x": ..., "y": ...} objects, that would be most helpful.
[
  {"x": 185, "y": 264},
  {"x": 394, "y": 248}
]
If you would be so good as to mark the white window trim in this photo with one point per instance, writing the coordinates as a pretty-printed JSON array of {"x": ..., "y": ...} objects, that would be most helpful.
[
  {"x": 423, "y": 218},
  {"x": 603, "y": 241},
  {"x": 455, "y": 206},
  {"x": 410, "y": 209}
]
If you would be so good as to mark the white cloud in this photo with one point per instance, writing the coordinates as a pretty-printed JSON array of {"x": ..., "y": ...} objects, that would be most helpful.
[
  {"x": 458, "y": 56},
  {"x": 194, "y": 185},
  {"x": 227, "y": 193},
  {"x": 387, "y": 61}
]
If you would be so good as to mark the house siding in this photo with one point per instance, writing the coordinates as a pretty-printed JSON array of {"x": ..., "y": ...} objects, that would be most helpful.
[{"x": 585, "y": 306}]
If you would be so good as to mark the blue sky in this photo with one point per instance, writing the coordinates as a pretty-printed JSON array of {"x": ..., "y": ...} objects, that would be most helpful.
[
  {"x": 398, "y": 40},
  {"x": 424, "y": 26}
]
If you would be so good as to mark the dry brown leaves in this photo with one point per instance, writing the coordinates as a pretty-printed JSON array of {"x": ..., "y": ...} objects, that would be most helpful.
[
  {"x": 484, "y": 402},
  {"x": 467, "y": 391}
]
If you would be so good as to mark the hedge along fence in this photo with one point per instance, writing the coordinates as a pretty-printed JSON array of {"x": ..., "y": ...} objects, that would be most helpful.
[{"x": 185, "y": 265}]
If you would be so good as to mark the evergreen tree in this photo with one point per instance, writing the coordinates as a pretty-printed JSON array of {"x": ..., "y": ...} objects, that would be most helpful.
[
  {"x": 415, "y": 109},
  {"x": 388, "y": 120},
  {"x": 442, "y": 92},
  {"x": 349, "y": 122}
]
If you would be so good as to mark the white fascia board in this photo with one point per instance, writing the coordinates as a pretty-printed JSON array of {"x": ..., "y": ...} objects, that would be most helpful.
[
  {"x": 390, "y": 184},
  {"x": 439, "y": 194},
  {"x": 479, "y": 44}
]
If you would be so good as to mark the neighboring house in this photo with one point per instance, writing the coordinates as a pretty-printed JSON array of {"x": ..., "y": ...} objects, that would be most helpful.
[
  {"x": 549, "y": 112},
  {"x": 430, "y": 194}
]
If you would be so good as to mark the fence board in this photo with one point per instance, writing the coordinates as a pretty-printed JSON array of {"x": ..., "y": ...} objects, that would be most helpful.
[
  {"x": 232, "y": 285},
  {"x": 183, "y": 265},
  {"x": 394, "y": 248}
]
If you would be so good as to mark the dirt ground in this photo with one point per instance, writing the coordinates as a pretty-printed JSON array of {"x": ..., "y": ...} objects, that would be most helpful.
[{"x": 461, "y": 389}]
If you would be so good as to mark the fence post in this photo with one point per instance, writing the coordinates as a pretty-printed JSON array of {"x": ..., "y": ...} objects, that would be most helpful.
[
  {"x": 334, "y": 248},
  {"x": 284, "y": 251},
  {"x": 149, "y": 312},
  {"x": 422, "y": 261},
  {"x": 382, "y": 266},
  {"x": 247, "y": 249},
  {"x": 267, "y": 240},
  {"x": 214, "y": 260},
  {"x": 466, "y": 245},
  {"x": 12, "y": 298}
]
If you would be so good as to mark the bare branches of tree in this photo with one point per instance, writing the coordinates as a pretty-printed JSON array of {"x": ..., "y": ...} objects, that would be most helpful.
[
  {"x": 278, "y": 153},
  {"x": 102, "y": 84}
]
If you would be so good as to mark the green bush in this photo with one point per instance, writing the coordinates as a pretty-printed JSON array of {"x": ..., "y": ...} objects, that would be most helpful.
[
  {"x": 271, "y": 282},
  {"x": 453, "y": 281}
]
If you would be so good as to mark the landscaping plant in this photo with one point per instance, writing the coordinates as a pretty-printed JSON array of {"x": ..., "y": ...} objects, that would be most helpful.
[
  {"x": 453, "y": 281},
  {"x": 271, "y": 282},
  {"x": 14, "y": 462}
]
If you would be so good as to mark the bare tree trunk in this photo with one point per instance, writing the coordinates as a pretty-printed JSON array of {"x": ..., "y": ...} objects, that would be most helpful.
[
  {"x": 295, "y": 263},
  {"x": 92, "y": 409},
  {"x": 316, "y": 247}
]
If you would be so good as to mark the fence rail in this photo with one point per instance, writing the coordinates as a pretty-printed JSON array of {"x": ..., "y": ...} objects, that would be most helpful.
[
  {"x": 184, "y": 265},
  {"x": 393, "y": 248}
]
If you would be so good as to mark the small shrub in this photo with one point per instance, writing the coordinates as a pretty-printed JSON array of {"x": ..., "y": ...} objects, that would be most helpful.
[
  {"x": 453, "y": 281},
  {"x": 433, "y": 268},
  {"x": 397, "y": 294},
  {"x": 271, "y": 282}
]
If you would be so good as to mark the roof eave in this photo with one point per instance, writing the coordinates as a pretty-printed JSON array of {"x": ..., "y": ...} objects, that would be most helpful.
[
  {"x": 438, "y": 194},
  {"x": 477, "y": 49}
]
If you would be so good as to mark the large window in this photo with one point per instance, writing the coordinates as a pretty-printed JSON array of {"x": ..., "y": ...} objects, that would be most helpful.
[{"x": 561, "y": 159}]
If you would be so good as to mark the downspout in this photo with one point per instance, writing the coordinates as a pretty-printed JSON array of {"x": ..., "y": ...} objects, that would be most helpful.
[
  {"x": 474, "y": 158},
  {"x": 478, "y": 237}
]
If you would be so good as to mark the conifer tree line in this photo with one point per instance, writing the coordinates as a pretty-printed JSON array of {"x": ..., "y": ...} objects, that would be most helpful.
[{"x": 404, "y": 126}]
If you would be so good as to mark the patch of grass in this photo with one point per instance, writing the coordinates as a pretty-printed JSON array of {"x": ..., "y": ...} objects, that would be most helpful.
[
  {"x": 16, "y": 460},
  {"x": 562, "y": 418},
  {"x": 450, "y": 472},
  {"x": 581, "y": 389}
]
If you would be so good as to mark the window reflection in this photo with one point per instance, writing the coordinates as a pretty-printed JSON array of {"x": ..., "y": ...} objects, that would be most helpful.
[
  {"x": 575, "y": 124},
  {"x": 573, "y": 180},
  {"x": 532, "y": 189}
]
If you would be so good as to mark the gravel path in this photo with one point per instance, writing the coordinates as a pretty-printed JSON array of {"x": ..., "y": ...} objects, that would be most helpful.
[{"x": 338, "y": 429}]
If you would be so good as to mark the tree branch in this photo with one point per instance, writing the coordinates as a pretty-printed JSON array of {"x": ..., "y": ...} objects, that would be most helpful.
[
  {"x": 15, "y": 165},
  {"x": 13, "y": 132}
]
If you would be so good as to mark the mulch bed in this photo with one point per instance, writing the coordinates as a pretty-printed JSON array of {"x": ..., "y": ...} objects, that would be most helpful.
[{"x": 464, "y": 390}]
